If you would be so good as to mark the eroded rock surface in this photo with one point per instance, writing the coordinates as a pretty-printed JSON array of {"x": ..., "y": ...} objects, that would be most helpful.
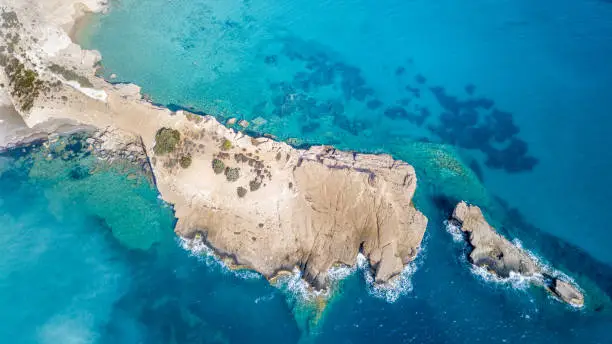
[
  {"x": 500, "y": 257},
  {"x": 490, "y": 249},
  {"x": 311, "y": 208}
]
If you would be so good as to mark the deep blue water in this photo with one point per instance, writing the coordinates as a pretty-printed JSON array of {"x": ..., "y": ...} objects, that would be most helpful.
[{"x": 501, "y": 103}]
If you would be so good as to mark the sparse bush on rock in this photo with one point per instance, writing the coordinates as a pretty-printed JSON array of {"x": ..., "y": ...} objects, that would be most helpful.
[
  {"x": 25, "y": 83},
  {"x": 241, "y": 191},
  {"x": 70, "y": 75},
  {"x": 232, "y": 174},
  {"x": 226, "y": 145},
  {"x": 166, "y": 141},
  {"x": 185, "y": 161},
  {"x": 254, "y": 185},
  {"x": 218, "y": 166}
]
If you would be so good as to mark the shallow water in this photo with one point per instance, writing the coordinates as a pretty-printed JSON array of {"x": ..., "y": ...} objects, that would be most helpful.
[{"x": 499, "y": 103}]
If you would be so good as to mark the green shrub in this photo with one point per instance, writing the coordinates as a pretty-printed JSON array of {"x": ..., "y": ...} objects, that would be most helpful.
[
  {"x": 70, "y": 75},
  {"x": 254, "y": 185},
  {"x": 194, "y": 118},
  {"x": 218, "y": 166},
  {"x": 232, "y": 174},
  {"x": 166, "y": 140},
  {"x": 185, "y": 161},
  {"x": 226, "y": 145},
  {"x": 26, "y": 86},
  {"x": 241, "y": 191}
]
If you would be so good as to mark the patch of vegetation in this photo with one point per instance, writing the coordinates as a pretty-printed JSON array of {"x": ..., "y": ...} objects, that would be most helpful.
[
  {"x": 232, "y": 174},
  {"x": 26, "y": 86},
  {"x": 185, "y": 161},
  {"x": 70, "y": 75},
  {"x": 218, "y": 166},
  {"x": 9, "y": 19},
  {"x": 194, "y": 118},
  {"x": 226, "y": 145},
  {"x": 11, "y": 42},
  {"x": 278, "y": 156},
  {"x": 254, "y": 185},
  {"x": 241, "y": 191},
  {"x": 166, "y": 141}
]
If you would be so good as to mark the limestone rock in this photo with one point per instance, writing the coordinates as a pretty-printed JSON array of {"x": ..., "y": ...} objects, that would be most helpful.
[
  {"x": 500, "y": 257},
  {"x": 491, "y": 250},
  {"x": 567, "y": 292},
  {"x": 326, "y": 207}
]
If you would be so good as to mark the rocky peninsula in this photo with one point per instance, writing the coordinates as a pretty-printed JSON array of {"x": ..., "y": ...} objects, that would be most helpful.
[
  {"x": 502, "y": 258},
  {"x": 258, "y": 202}
]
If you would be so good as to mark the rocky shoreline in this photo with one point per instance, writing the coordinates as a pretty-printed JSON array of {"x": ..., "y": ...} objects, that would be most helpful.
[{"x": 258, "y": 203}]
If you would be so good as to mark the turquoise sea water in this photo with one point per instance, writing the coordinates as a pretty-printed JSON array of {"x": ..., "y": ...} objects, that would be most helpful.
[
  {"x": 502, "y": 103},
  {"x": 78, "y": 267}
]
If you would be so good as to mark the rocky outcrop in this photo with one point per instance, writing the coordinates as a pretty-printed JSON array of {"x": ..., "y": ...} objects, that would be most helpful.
[
  {"x": 311, "y": 209},
  {"x": 567, "y": 292},
  {"x": 491, "y": 250},
  {"x": 502, "y": 258}
]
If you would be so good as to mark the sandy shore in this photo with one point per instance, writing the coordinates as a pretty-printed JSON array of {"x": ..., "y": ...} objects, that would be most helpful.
[{"x": 79, "y": 28}]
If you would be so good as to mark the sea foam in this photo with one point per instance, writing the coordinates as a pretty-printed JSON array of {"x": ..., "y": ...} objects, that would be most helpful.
[
  {"x": 454, "y": 230},
  {"x": 295, "y": 284},
  {"x": 208, "y": 256},
  {"x": 514, "y": 280},
  {"x": 393, "y": 289}
]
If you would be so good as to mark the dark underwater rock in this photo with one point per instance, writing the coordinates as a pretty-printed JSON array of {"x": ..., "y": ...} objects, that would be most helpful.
[
  {"x": 416, "y": 92},
  {"x": 420, "y": 79},
  {"x": 374, "y": 104},
  {"x": 270, "y": 60},
  {"x": 469, "y": 89}
]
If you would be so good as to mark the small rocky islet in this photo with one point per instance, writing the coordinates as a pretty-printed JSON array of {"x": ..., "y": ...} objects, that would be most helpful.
[{"x": 502, "y": 258}]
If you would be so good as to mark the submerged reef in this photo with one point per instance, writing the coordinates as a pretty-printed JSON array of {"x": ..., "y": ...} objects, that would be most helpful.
[{"x": 472, "y": 123}]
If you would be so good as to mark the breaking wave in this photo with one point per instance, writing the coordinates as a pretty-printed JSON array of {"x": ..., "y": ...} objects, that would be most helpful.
[
  {"x": 515, "y": 280},
  {"x": 454, "y": 230},
  {"x": 295, "y": 284},
  {"x": 298, "y": 287},
  {"x": 393, "y": 289},
  {"x": 197, "y": 248}
]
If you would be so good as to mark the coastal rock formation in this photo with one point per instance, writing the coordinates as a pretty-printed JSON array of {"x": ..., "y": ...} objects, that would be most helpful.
[
  {"x": 502, "y": 258},
  {"x": 312, "y": 208},
  {"x": 490, "y": 249},
  {"x": 258, "y": 202}
]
